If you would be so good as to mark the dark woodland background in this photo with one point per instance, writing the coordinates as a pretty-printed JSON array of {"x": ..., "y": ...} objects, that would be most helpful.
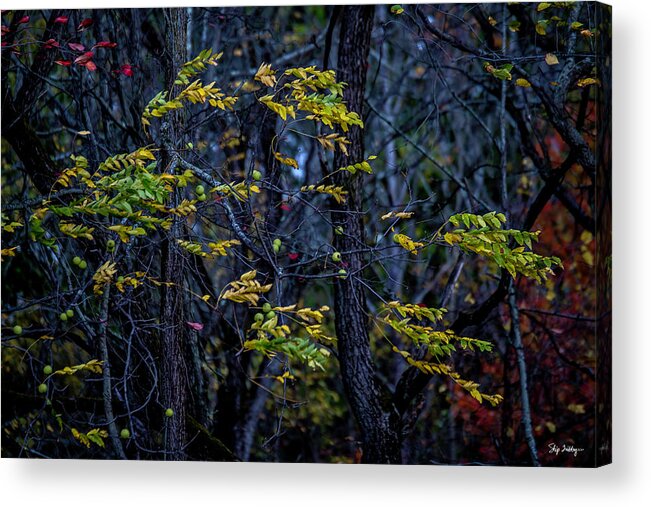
[{"x": 452, "y": 132}]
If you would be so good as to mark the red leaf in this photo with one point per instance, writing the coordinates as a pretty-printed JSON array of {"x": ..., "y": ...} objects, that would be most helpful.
[
  {"x": 293, "y": 256},
  {"x": 65, "y": 63},
  {"x": 84, "y": 59},
  {"x": 24, "y": 19},
  {"x": 75, "y": 46},
  {"x": 125, "y": 69},
  {"x": 84, "y": 24},
  {"x": 105, "y": 44},
  {"x": 61, "y": 19},
  {"x": 51, "y": 43},
  {"x": 90, "y": 65},
  {"x": 285, "y": 207},
  {"x": 195, "y": 325}
]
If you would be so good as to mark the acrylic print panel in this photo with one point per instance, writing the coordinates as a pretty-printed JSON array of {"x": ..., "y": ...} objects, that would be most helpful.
[{"x": 334, "y": 234}]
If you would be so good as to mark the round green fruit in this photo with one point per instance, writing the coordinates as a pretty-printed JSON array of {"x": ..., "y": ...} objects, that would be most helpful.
[
  {"x": 276, "y": 247},
  {"x": 200, "y": 190},
  {"x": 266, "y": 308},
  {"x": 339, "y": 230},
  {"x": 201, "y": 197},
  {"x": 17, "y": 330},
  {"x": 76, "y": 260},
  {"x": 169, "y": 412},
  {"x": 42, "y": 388},
  {"x": 396, "y": 238},
  {"x": 257, "y": 175},
  {"x": 70, "y": 313},
  {"x": 270, "y": 315},
  {"x": 47, "y": 369},
  {"x": 258, "y": 317},
  {"x": 336, "y": 257},
  {"x": 110, "y": 244},
  {"x": 120, "y": 279},
  {"x": 83, "y": 265},
  {"x": 125, "y": 433},
  {"x": 63, "y": 317},
  {"x": 342, "y": 273}
]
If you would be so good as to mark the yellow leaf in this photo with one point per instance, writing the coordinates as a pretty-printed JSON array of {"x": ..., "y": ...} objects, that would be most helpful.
[
  {"x": 587, "y": 82},
  {"x": 523, "y": 82},
  {"x": 551, "y": 59}
]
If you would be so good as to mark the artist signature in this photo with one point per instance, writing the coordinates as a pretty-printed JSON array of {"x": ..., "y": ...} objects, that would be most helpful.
[{"x": 570, "y": 449}]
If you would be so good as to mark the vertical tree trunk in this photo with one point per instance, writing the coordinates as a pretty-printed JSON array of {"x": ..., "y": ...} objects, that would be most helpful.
[
  {"x": 174, "y": 373},
  {"x": 373, "y": 410}
]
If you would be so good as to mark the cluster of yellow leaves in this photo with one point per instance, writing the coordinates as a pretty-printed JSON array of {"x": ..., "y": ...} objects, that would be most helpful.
[
  {"x": 279, "y": 109},
  {"x": 9, "y": 226},
  {"x": 417, "y": 311},
  {"x": 137, "y": 158},
  {"x": 241, "y": 191},
  {"x": 103, "y": 276},
  {"x": 307, "y": 313},
  {"x": 94, "y": 366},
  {"x": 125, "y": 232},
  {"x": 76, "y": 231},
  {"x": 431, "y": 368},
  {"x": 407, "y": 243},
  {"x": 266, "y": 75},
  {"x": 483, "y": 235},
  {"x": 95, "y": 436},
  {"x": 217, "y": 248},
  {"x": 328, "y": 142},
  {"x": 194, "y": 93},
  {"x": 288, "y": 161},
  {"x": 197, "y": 65},
  {"x": 134, "y": 281},
  {"x": 245, "y": 290},
  {"x": 306, "y": 93},
  {"x": 338, "y": 193}
]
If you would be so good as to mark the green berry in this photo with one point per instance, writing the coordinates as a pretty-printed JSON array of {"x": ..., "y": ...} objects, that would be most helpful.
[
  {"x": 110, "y": 244},
  {"x": 76, "y": 260},
  {"x": 125, "y": 433},
  {"x": 270, "y": 315},
  {"x": 257, "y": 175},
  {"x": 342, "y": 273},
  {"x": 396, "y": 238},
  {"x": 47, "y": 369},
  {"x": 339, "y": 230},
  {"x": 42, "y": 388},
  {"x": 63, "y": 317},
  {"x": 17, "y": 330},
  {"x": 201, "y": 197},
  {"x": 276, "y": 247},
  {"x": 70, "y": 313},
  {"x": 169, "y": 412},
  {"x": 258, "y": 317},
  {"x": 120, "y": 279},
  {"x": 266, "y": 308},
  {"x": 336, "y": 257},
  {"x": 200, "y": 190},
  {"x": 83, "y": 265}
]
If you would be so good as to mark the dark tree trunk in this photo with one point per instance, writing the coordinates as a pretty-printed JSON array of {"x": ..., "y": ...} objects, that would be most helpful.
[
  {"x": 372, "y": 408},
  {"x": 175, "y": 366}
]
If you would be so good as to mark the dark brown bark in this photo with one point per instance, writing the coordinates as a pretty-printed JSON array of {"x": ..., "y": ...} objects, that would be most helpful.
[
  {"x": 175, "y": 361},
  {"x": 371, "y": 408}
]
